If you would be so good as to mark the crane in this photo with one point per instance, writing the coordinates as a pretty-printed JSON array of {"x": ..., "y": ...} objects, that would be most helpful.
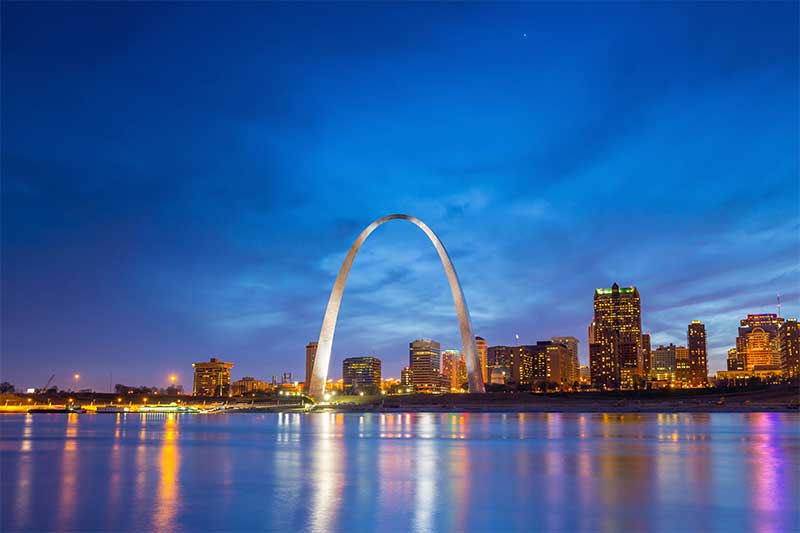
[{"x": 49, "y": 381}]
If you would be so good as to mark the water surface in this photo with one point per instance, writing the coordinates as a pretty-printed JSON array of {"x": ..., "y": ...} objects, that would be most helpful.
[{"x": 392, "y": 472}]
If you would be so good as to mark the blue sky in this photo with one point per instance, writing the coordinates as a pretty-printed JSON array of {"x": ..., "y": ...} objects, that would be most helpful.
[{"x": 183, "y": 180}]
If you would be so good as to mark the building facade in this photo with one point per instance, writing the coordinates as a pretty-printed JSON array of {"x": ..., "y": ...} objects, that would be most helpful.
[
  {"x": 735, "y": 363},
  {"x": 361, "y": 375},
  {"x": 405, "y": 378},
  {"x": 757, "y": 343},
  {"x": 424, "y": 361},
  {"x": 454, "y": 369},
  {"x": 311, "y": 354},
  {"x": 617, "y": 338},
  {"x": 789, "y": 346},
  {"x": 573, "y": 346},
  {"x": 212, "y": 378},
  {"x": 249, "y": 385},
  {"x": 698, "y": 354},
  {"x": 664, "y": 363},
  {"x": 683, "y": 370},
  {"x": 483, "y": 357}
]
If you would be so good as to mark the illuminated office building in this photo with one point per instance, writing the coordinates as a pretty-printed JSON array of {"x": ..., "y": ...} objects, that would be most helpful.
[
  {"x": 698, "y": 354},
  {"x": 424, "y": 362},
  {"x": 734, "y": 363},
  {"x": 483, "y": 357},
  {"x": 249, "y": 385},
  {"x": 646, "y": 355},
  {"x": 461, "y": 372},
  {"x": 212, "y": 378},
  {"x": 454, "y": 369},
  {"x": 572, "y": 372},
  {"x": 664, "y": 363},
  {"x": 561, "y": 368},
  {"x": 498, "y": 355},
  {"x": 405, "y": 377},
  {"x": 530, "y": 366},
  {"x": 311, "y": 353},
  {"x": 683, "y": 368},
  {"x": 585, "y": 375},
  {"x": 617, "y": 338},
  {"x": 789, "y": 347},
  {"x": 361, "y": 375},
  {"x": 757, "y": 343},
  {"x": 515, "y": 361}
]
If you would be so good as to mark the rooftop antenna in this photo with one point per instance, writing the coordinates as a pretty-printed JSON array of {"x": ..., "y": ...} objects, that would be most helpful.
[{"x": 779, "y": 306}]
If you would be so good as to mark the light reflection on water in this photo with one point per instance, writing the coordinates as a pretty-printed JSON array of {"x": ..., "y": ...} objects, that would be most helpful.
[{"x": 401, "y": 471}]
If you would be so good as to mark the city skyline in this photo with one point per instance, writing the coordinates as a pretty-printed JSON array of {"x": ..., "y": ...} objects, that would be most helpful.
[{"x": 158, "y": 217}]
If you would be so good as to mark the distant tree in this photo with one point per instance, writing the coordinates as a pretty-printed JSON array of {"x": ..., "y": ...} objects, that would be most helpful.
[{"x": 6, "y": 387}]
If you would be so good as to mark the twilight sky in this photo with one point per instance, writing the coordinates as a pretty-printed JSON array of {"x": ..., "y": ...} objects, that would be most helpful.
[{"x": 183, "y": 180}]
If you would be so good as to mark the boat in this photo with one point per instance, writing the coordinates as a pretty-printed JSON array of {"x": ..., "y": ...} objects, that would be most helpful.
[
  {"x": 57, "y": 410},
  {"x": 113, "y": 409},
  {"x": 169, "y": 408}
]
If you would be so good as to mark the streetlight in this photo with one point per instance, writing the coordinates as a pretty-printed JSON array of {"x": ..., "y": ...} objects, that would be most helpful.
[
  {"x": 77, "y": 377},
  {"x": 172, "y": 379}
]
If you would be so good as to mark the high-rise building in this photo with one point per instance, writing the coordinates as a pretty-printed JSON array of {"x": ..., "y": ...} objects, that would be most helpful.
[
  {"x": 617, "y": 338},
  {"x": 698, "y": 355},
  {"x": 683, "y": 370},
  {"x": 212, "y": 378},
  {"x": 311, "y": 354},
  {"x": 789, "y": 346},
  {"x": 603, "y": 368},
  {"x": 530, "y": 366},
  {"x": 735, "y": 363},
  {"x": 424, "y": 357},
  {"x": 361, "y": 374},
  {"x": 664, "y": 363},
  {"x": 572, "y": 345},
  {"x": 646, "y": 356},
  {"x": 483, "y": 357},
  {"x": 451, "y": 368},
  {"x": 561, "y": 369},
  {"x": 757, "y": 343}
]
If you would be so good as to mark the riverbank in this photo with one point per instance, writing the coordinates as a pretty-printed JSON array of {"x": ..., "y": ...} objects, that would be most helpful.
[
  {"x": 774, "y": 399},
  {"x": 770, "y": 399}
]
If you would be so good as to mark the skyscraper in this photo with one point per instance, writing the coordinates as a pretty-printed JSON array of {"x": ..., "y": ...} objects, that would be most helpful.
[
  {"x": 698, "y": 356},
  {"x": 561, "y": 368},
  {"x": 617, "y": 338},
  {"x": 483, "y": 357},
  {"x": 451, "y": 361},
  {"x": 311, "y": 353},
  {"x": 572, "y": 344},
  {"x": 212, "y": 378},
  {"x": 683, "y": 369},
  {"x": 424, "y": 356},
  {"x": 757, "y": 343},
  {"x": 789, "y": 346},
  {"x": 361, "y": 374}
]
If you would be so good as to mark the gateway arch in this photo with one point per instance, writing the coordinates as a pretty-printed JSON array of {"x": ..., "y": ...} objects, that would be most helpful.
[{"x": 316, "y": 388}]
